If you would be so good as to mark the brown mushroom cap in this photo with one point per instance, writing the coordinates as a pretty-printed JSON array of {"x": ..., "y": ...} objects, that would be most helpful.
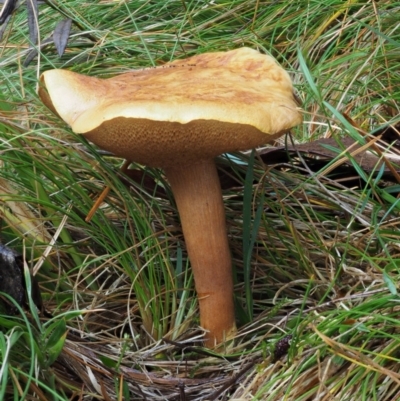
[{"x": 196, "y": 108}]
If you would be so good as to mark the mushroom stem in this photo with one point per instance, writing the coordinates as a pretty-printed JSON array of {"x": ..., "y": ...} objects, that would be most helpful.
[{"x": 198, "y": 196}]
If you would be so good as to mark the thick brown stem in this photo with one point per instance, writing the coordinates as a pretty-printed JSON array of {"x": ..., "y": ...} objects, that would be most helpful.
[{"x": 197, "y": 192}]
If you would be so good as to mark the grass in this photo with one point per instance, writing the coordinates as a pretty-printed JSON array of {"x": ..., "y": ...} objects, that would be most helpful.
[{"x": 314, "y": 258}]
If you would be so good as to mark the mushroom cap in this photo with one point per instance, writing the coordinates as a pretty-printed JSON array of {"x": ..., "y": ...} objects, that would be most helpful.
[{"x": 184, "y": 110}]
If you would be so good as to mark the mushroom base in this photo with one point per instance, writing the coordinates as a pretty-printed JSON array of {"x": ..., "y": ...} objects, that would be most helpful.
[{"x": 197, "y": 192}]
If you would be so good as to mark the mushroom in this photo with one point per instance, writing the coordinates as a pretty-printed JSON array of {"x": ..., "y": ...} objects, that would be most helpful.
[{"x": 179, "y": 117}]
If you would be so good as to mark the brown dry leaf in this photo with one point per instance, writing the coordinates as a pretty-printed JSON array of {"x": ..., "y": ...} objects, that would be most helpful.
[
  {"x": 322, "y": 149},
  {"x": 18, "y": 215}
]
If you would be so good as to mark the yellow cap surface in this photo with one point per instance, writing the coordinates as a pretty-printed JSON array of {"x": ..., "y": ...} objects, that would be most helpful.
[{"x": 187, "y": 109}]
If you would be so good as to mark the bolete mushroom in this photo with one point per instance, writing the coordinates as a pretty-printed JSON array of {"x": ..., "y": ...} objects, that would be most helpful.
[{"x": 179, "y": 117}]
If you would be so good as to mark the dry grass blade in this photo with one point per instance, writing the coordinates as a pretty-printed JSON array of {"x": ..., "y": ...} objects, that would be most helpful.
[{"x": 358, "y": 358}]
